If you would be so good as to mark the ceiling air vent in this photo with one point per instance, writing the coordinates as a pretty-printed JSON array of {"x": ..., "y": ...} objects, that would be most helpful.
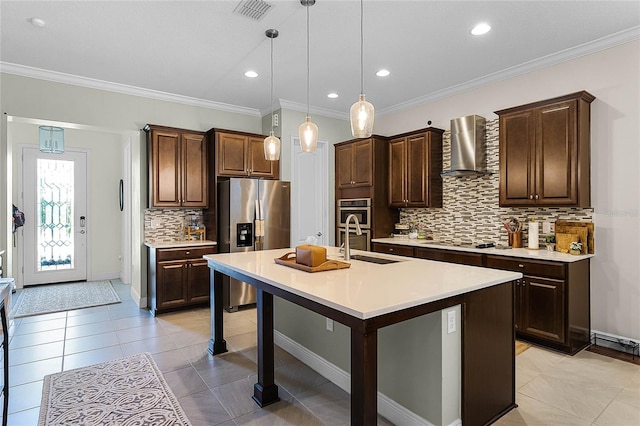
[{"x": 253, "y": 9}]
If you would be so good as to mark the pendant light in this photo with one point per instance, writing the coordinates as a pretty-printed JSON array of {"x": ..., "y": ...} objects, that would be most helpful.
[
  {"x": 271, "y": 142},
  {"x": 51, "y": 139},
  {"x": 362, "y": 112},
  {"x": 308, "y": 131}
]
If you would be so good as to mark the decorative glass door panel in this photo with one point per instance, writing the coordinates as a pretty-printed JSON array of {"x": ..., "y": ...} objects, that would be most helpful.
[
  {"x": 55, "y": 230},
  {"x": 55, "y": 227}
]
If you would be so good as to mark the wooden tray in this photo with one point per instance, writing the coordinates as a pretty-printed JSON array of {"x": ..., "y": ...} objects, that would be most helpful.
[
  {"x": 289, "y": 260},
  {"x": 566, "y": 226}
]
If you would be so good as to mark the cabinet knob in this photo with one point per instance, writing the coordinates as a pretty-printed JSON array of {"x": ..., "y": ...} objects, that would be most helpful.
[
  {"x": 390, "y": 249},
  {"x": 537, "y": 196},
  {"x": 187, "y": 252},
  {"x": 531, "y": 197},
  {"x": 520, "y": 265}
]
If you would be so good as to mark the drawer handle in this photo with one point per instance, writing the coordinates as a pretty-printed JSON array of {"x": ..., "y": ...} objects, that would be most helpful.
[
  {"x": 520, "y": 265},
  {"x": 390, "y": 249},
  {"x": 187, "y": 252}
]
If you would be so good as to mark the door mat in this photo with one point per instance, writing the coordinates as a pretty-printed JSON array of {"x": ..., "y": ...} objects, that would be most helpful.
[
  {"x": 48, "y": 298},
  {"x": 126, "y": 391}
]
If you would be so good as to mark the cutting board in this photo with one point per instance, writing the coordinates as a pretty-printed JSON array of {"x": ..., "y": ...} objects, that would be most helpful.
[
  {"x": 563, "y": 240},
  {"x": 579, "y": 228}
]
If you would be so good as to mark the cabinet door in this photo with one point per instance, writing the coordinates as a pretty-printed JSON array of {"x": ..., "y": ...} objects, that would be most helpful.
[
  {"x": 362, "y": 163},
  {"x": 164, "y": 177},
  {"x": 170, "y": 287},
  {"x": 397, "y": 172},
  {"x": 417, "y": 157},
  {"x": 517, "y": 185},
  {"x": 344, "y": 178},
  {"x": 231, "y": 154},
  {"x": 194, "y": 171},
  {"x": 556, "y": 154},
  {"x": 198, "y": 281},
  {"x": 543, "y": 310},
  {"x": 259, "y": 166}
]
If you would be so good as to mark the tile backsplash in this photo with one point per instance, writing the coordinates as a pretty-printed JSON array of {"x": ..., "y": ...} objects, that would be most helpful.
[
  {"x": 165, "y": 225},
  {"x": 470, "y": 212}
]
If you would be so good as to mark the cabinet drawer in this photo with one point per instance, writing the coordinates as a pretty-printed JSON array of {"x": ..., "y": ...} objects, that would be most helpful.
[
  {"x": 393, "y": 249},
  {"x": 461, "y": 257},
  {"x": 528, "y": 267},
  {"x": 184, "y": 253}
]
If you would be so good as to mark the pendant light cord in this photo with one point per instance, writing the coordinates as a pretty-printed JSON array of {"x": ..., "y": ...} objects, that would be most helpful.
[
  {"x": 361, "y": 48},
  {"x": 308, "y": 62},
  {"x": 271, "y": 94}
]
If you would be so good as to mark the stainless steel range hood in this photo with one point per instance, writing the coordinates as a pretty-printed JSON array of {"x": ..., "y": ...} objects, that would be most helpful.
[{"x": 468, "y": 147}]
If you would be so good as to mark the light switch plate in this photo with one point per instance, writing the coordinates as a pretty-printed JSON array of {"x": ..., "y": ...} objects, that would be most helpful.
[{"x": 546, "y": 227}]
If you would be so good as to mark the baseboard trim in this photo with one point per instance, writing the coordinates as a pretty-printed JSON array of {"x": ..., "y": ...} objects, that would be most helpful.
[{"x": 387, "y": 407}]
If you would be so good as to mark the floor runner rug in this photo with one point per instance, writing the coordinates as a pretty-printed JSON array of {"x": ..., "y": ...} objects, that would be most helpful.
[
  {"x": 126, "y": 391},
  {"x": 48, "y": 298}
]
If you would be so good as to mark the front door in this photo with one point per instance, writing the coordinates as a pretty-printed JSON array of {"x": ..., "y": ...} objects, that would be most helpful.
[{"x": 55, "y": 206}]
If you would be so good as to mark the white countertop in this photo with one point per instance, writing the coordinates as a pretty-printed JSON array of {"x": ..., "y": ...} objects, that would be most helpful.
[
  {"x": 541, "y": 254},
  {"x": 178, "y": 244},
  {"x": 366, "y": 290}
]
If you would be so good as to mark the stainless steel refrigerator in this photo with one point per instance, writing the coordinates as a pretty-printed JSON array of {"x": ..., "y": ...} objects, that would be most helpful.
[{"x": 253, "y": 214}]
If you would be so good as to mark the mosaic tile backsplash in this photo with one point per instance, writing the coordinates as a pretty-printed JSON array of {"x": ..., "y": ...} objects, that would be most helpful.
[
  {"x": 166, "y": 225},
  {"x": 470, "y": 213}
]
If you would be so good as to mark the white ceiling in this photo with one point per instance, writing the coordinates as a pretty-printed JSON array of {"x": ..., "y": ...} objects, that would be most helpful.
[{"x": 199, "y": 50}]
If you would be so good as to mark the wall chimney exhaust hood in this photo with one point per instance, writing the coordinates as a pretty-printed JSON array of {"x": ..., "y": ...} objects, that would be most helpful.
[{"x": 468, "y": 147}]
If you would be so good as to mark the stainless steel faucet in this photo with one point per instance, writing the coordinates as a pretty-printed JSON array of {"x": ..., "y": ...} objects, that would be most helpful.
[{"x": 347, "y": 250}]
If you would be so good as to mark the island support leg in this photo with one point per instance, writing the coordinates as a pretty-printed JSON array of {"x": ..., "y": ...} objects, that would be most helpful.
[
  {"x": 364, "y": 378},
  {"x": 265, "y": 392},
  {"x": 217, "y": 344}
]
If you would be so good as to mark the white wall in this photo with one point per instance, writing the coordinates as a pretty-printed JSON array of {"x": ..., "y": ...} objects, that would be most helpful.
[{"x": 613, "y": 77}]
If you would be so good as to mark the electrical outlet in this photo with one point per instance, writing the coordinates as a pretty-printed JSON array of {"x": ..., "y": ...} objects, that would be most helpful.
[
  {"x": 546, "y": 227},
  {"x": 451, "y": 322},
  {"x": 330, "y": 325},
  {"x": 276, "y": 120}
]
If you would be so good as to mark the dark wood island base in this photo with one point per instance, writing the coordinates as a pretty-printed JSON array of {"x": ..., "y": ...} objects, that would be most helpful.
[{"x": 488, "y": 346}]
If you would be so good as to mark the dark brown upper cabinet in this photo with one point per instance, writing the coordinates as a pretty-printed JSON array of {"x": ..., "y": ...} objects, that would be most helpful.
[
  {"x": 241, "y": 154},
  {"x": 415, "y": 164},
  {"x": 178, "y": 172},
  {"x": 545, "y": 153},
  {"x": 354, "y": 164}
]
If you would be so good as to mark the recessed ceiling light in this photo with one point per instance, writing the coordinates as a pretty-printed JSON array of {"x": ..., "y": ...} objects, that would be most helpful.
[
  {"x": 481, "y": 28},
  {"x": 383, "y": 73},
  {"x": 251, "y": 74},
  {"x": 332, "y": 95},
  {"x": 37, "y": 22}
]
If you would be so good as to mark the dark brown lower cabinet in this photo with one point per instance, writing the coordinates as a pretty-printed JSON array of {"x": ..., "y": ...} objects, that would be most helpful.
[
  {"x": 551, "y": 301},
  {"x": 178, "y": 278}
]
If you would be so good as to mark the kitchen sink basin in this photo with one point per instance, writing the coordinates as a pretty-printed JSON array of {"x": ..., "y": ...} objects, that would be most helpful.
[{"x": 372, "y": 259}]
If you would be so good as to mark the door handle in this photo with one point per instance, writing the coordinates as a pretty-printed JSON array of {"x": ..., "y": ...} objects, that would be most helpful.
[
  {"x": 82, "y": 221},
  {"x": 319, "y": 234},
  {"x": 82, "y": 231}
]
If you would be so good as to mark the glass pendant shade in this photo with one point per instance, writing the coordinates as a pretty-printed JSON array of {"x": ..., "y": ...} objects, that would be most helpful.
[
  {"x": 362, "y": 115},
  {"x": 272, "y": 147},
  {"x": 52, "y": 139},
  {"x": 308, "y": 135}
]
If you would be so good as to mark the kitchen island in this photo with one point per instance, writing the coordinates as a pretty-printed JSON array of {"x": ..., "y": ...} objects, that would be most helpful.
[{"x": 367, "y": 297}]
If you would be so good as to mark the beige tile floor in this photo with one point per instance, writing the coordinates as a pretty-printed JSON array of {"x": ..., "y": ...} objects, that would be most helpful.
[{"x": 552, "y": 389}]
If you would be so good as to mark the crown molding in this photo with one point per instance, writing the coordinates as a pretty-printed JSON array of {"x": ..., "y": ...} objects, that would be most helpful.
[
  {"x": 329, "y": 113},
  {"x": 58, "y": 77},
  {"x": 595, "y": 46}
]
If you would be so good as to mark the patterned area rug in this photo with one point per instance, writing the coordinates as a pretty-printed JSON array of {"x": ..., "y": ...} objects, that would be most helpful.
[
  {"x": 49, "y": 298},
  {"x": 126, "y": 391}
]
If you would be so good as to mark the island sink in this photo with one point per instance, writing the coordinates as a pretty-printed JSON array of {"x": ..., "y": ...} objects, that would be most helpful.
[{"x": 372, "y": 259}]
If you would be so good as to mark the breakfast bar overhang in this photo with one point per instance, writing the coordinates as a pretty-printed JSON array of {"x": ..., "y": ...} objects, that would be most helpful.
[{"x": 369, "y": 296}]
